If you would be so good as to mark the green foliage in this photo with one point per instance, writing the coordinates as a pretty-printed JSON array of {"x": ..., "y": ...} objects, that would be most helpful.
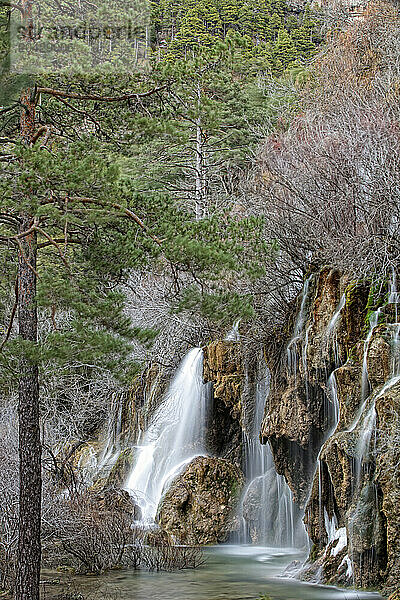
[
  {"x": 79, "y": 199},
  {"x": 221, "y": 307},
  {"x": 175, "y": 160},
  {"x": 187, "y": 28}
]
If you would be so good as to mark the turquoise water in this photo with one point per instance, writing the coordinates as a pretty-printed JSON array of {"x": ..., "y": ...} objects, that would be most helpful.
[{"x": 230, "y": 573}]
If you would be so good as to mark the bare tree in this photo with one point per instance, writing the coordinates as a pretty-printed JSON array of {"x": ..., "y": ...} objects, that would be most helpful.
[{"x": 329, "y": 184}]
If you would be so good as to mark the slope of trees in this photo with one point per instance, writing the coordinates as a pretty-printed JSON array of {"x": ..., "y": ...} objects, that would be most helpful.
[
  {"x": 327, "y": 178},
  {"x": 107, "y": 172}
]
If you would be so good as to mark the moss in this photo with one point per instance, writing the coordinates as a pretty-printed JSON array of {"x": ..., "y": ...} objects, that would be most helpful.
[
  {"x": 351, "y": 293},
  {"x": 120, "y": 470},
  {"x": 314, "y": 553},
  {"x": 236, "y": 487}
]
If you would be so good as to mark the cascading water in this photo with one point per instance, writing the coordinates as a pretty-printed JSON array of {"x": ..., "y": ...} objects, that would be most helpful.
[
  {"x": 334, "y": 400},
  {"x": 267, "y": 512},
  {"x": 233, "y": 335},
  {"x": 298, "y": 329},
  {"x": 373, "y": 322},
  {"x": 365, "y": 490},
  {"x": 99, "y": 461},
  {"x": 332, "y": 411},
  {"x": 175, "y": 435},
  {"x": 393, "y": 298},
  {"x": 331, "y": 336},
  {"x": 393, "y": 293},
  {"x": 112, "y": 447}
]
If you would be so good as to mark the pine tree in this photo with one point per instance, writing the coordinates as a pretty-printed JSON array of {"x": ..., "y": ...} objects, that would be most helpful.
[{"x": 284, "y": 51}]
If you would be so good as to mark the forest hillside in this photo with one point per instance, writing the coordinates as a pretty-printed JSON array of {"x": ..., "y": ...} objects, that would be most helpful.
[{"x": 199, "y": 255}]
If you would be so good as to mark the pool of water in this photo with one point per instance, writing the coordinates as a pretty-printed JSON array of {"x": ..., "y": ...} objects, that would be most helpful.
[{"x": 229, "y": 573}]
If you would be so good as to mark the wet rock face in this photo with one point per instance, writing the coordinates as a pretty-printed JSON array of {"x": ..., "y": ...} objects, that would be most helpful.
[
  {"x": 123, "y": 466},
  {"x": 345, "y": 491},
  {"x": 199, "y": 506},
  {"x": 299, "y": 414},
  {"x": 351, "y": 491},
  {"x": 353, "y": 484},
  {"x": 388, "y": 477},
  {"x": 223, "y": 367},
  {"x": 368, "y": 536},
  {"x": 348, "y": 380},
  {"x": 223, "y": 370},
  {"x": 251, "y": 506}
]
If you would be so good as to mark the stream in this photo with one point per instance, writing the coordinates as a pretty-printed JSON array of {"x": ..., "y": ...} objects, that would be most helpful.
[{"x": 229, "y": 573}]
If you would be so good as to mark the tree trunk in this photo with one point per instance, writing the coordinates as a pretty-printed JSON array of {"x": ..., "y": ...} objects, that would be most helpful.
[
  {"x": 199, "y": 161},
  {"x": 30, "y": 478}
]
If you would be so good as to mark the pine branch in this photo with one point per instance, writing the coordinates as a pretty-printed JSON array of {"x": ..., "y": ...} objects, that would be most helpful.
[
  {"x": 13, "y": 312},
  {"x": 131, "y": 215},
  {"x": 54, "y": 243},
  {"x": 75, "y": 96}
]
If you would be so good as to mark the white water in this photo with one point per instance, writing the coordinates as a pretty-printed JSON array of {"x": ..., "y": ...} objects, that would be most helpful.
[
  {"x": 373, "y": 322},
  {"x": 174, "y": 437},
  {"x": 364, "y": 438},
  {"x": 369, "y": 416},
  {"x": 393, "y": 293},
  {"x": 334, "y": 400},
  {"x": 112, "y": 446},
  {"x": 98, "y": 461},
  {"x": 334, "y": 321},
  {"x": 298, "y": 329},
  {"x": 395, "y": 358},
  {"x": 395, "y": 350},
  {"x": 332, "y": 327},
  {"x": 268, "y": 514},
  {"x": 233, "y": 335}
]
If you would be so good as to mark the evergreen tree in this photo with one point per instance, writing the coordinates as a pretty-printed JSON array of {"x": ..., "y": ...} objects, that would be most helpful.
[
  {"x": 284, "y": 51},
  {"x": 76, "y": 216}
]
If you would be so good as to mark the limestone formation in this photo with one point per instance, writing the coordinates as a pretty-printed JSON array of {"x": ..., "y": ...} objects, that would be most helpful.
[
  {"x": 199, "y": 506},
  {"x": 223, "y": 370},
  {"x": 300, "y": 410},
  {"x": 388, "y": 476}
]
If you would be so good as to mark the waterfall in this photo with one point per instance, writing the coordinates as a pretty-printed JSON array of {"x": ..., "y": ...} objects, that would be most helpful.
[
  {"x": 393, "y": 293},
  {"x": 335, "y": 318},
  {"x": 174, "y": 437},
  {"x": 365, "y": 421},
  {"x": 298, "y": 329},
  {"x": 267, "y": 512},
  {"x": 99, "y": 459},
  {"x": 395, "y": 343},
  {"x": 393, "y": 298},
  {"x": 332, "y": 409},
  {"x": 334, "y": 400},
  {"x": 373, "y": 322},
  {"x": 332, "y": 327},
  {"x": 233, "y": 335},
  {"x": 112, "y": 446}
]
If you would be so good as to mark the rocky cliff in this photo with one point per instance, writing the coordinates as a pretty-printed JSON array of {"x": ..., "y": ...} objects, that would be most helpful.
[
  {"x": 331, "y": 387},
  {"x": 332, "y": 421}
]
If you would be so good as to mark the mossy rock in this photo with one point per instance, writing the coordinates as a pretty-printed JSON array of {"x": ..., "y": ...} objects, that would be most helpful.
[
  {"x": 122, "y": 468},
  {"x": 199, "y": 506}
]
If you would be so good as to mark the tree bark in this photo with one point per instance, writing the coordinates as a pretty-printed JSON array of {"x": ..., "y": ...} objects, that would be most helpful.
[
  {"x": 199, "y": 161},
  {"x": 30, "y": 492},
  {"x": 30, "y": 477}
]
